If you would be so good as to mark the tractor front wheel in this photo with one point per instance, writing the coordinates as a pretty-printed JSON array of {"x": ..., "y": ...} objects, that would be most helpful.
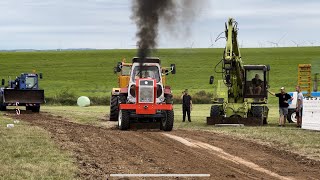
[
  {"x": 124, "y": 119},
  {"x": 167, "y": 122}
]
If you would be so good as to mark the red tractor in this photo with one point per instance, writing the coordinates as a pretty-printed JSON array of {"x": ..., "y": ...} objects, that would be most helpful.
[{"x": 146, "y": 99}]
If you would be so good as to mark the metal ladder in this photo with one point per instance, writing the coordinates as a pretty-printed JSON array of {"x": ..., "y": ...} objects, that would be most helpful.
[{"x": 304, "y": 78}]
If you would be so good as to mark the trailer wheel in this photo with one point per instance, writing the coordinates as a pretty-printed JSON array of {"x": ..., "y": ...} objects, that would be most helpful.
[
  {"x": 124, "y": 120},
  {"x": 28, "y": 108},
  {"x": 114, "y": 108},
  {"x": 215, "y": 111},
  {"x": 167, "y": 122},
  {"x": 291, "y": 117},
  {"x": 3, "y": 107}
]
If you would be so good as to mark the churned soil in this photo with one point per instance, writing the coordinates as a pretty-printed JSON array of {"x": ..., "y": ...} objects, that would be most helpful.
[{"x": 102, "y": 151}]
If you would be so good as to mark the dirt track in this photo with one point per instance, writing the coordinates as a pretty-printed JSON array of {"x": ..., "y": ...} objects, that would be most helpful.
[{"x": 103, "y": 151}]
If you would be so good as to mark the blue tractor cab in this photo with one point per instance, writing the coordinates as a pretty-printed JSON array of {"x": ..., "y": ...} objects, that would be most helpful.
[{"x": 25, "y": 81}]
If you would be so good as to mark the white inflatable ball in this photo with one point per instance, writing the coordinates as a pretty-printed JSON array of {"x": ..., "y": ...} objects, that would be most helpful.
[{"x": 83, "y": 101}]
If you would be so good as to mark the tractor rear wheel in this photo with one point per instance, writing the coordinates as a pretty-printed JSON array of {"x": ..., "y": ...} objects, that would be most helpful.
[
  {"x": 215, "y": 111},
  {"x": 167, "y": 122},
  {"x": 124, "y": 120},
  {"x": 114, "y": 108}
]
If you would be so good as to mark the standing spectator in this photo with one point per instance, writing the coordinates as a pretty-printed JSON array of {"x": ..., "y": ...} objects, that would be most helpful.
[
  {"x": 283, "y": 105},
  {"x": 299, "y": 107},
  {"x": 186, "y": 105}
]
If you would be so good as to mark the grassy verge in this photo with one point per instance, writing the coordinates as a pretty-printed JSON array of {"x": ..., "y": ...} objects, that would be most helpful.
[
  {"x": 289, "y": 138},
  {"x": 27, "y": 152}
]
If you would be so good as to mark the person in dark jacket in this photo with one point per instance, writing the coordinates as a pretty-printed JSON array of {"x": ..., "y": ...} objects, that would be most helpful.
[
  {"x": 283, "y": 105},
  {"x": 186, "y": 105}
]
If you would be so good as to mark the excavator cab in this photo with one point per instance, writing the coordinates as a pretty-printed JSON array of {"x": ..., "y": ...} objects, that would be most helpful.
[{"x": 256, "y": 81}]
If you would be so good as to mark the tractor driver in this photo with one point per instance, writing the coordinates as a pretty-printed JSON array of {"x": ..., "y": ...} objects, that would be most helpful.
[
  {"x": 256, "y": 83},
  {"x": 148, "y": 74},
  {"x": 145, "y": 74}
]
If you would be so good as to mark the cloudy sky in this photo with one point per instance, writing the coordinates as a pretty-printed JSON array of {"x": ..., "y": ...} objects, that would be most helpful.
[{"x": 44, "y": 24}]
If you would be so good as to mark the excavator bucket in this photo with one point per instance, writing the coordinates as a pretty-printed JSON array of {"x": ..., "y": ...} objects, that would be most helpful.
[{"x": 23, "y": 96}]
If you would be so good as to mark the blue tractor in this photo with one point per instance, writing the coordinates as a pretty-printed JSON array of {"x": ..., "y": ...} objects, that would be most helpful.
[{"x": 23, "y": 91}]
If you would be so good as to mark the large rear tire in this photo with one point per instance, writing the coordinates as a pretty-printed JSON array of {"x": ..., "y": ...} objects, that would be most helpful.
[
  {"x": 124, "y": 120},
  {"x": 215, "y": 111},
  {"x": 114, "y": 108},
  {"x": 167, "y": 122}
]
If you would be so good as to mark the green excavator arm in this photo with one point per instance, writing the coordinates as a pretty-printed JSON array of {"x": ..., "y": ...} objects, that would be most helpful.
[{"x": 232, "y": 64}]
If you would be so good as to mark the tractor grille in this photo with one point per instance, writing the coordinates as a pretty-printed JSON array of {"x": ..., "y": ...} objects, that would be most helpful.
[{"x": 146, "y": 91}]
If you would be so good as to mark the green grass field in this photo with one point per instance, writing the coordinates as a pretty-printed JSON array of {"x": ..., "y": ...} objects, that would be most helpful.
[
  {"x": 90, "y": 73},
  {"x": 28, "y": 152}
]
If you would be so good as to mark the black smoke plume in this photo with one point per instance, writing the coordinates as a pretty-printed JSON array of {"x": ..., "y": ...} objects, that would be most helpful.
[{"x": 148, "y": 14}]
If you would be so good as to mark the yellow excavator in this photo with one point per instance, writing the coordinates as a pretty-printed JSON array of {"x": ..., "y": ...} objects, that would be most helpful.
[{"x": 241, "y": 94}]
